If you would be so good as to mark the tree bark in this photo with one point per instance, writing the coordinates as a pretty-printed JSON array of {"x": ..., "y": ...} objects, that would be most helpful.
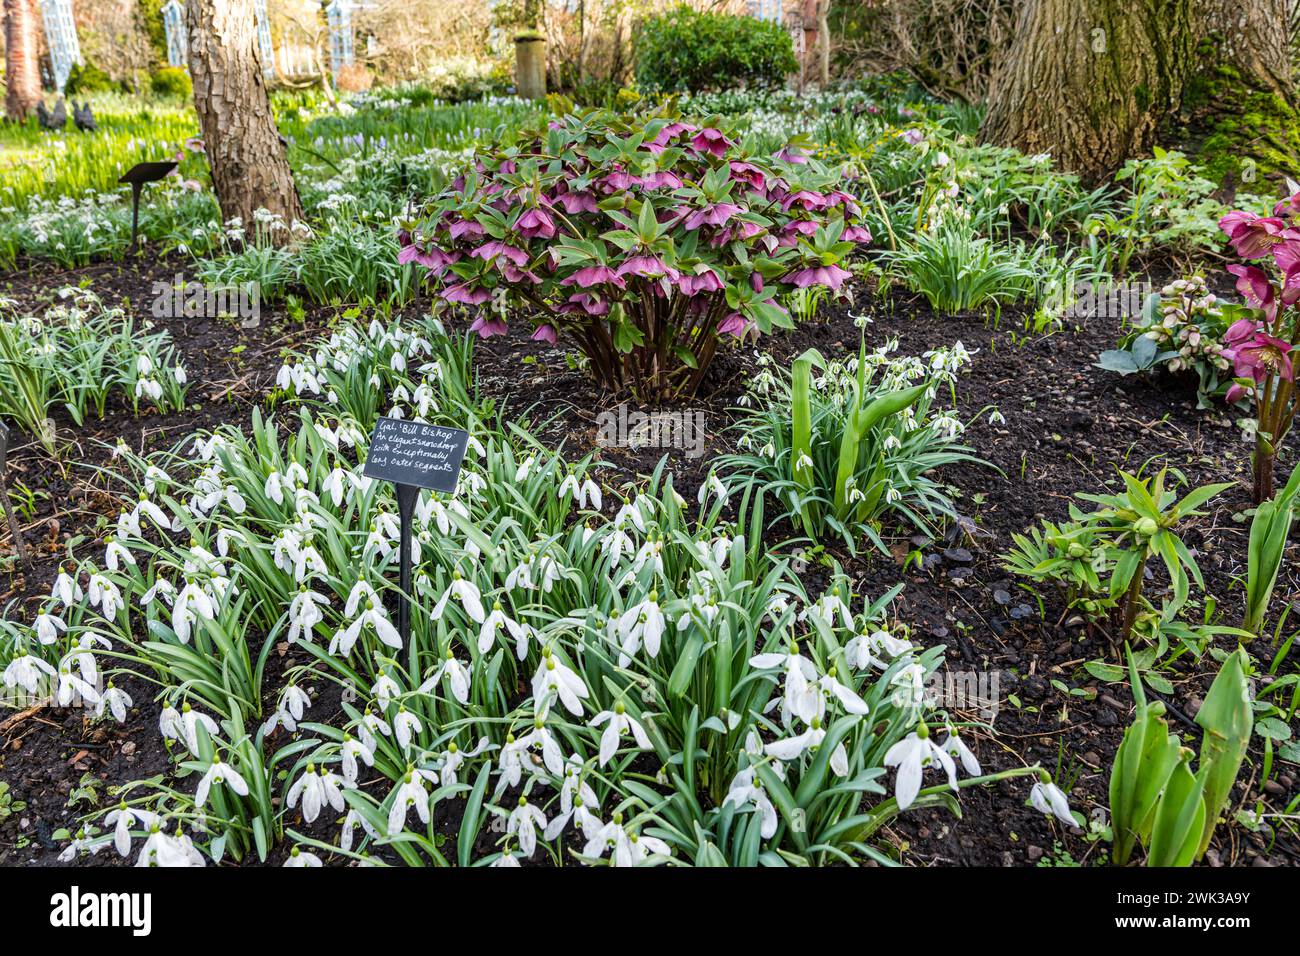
[
  {"x": 1089, "y": 80},
  {"x": 22, "y": 72},
  {"x": 245, "y": 153},
  {"x": 1253, "y": 37},
  {"x": 824, "y": 42}
]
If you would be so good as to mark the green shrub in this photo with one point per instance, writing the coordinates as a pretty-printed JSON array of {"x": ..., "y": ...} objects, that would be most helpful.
[
  {"x": 687, "y": 50},
  {"x": 172, "y": 81},
  {"x": 88, "y": 78}
]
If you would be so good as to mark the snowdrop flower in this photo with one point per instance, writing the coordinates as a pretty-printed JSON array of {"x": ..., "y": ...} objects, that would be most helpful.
[
  {"x": 956, "y": 748},
  {"x": 746, "y": 789},
  {"x": 349, "y": 752},
  {"x": 305, "y": 614},
  {"x": 410, "y": 793},
  {"x": 168, "y": 851},
  {"x": 617, "y": 722},
  {"x": 406, "y": 724},
  {"x": 791, "y": 748},
  {"x": 116, "y": 701},
  {"x": 104, "y": 593},
  {"x": 801, "y": 696},
  {"x": 713, "y": 486},
  {"x": 510, "y": 763},
  {"x": 641, "y": 622},
  {"x": 525, "y": 466},
  {"x": 293, "y": 701},
  {"x": 371, "y": 724},
  {"x": 576, "y": 802},
  {"x": 363, "y": 599},
  {"x": 26, "y": 671},
  {"x": 315, "y": 789},
  {"x": 616, "y": 544},
  {"x": 122, "y": 819},
  {"x": 350, "y": 823},
  {"x": 492, "y": 625},
  {"x": 630, "y": 512},
  {"x": 71, "y": 686},
  {"x": 523, "y": 823},
  {"x": 628, "y": 849},
  {"x": 192, "y": 603},
  {"x": 553, "y": 675},
  {"x": 464, "y": 591},
  {"x": 505, "y": 861},
  {"x": 303, "y": 859},
  {"x": 911, "y": 756},
  {"x": 587, "y": 491},
  {"x": 183, "y": 726},
  {"x": 47, "y": 628},
  {"x": 456, "y": 674},
  {"x": 453, "y": 758},
  {"x": 1047, "y": 798},
  {"x": 223, "y": 774},
  {"x": 115, "y": 555},
  {"x": 66, "y": 589},
  {"x": 828, "y": 609}
]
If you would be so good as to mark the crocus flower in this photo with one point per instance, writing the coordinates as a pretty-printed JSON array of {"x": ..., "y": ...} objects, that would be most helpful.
[
  {"x": 1253, "y": 236},
  {"x": 536, "y": 224},
  {"x": 486, "y": 327},
  {"x": 830, "y": 276}
]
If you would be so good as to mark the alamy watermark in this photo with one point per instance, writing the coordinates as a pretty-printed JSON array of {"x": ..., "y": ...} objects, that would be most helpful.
[
  {"x": 972, "y": 692},
  {"x": 179, "y": 299},
  {"x": 1100, "y": 300},
  {"x": 665, "y": 428}
]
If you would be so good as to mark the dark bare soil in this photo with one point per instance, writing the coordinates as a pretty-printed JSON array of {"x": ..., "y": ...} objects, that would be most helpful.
[{"x": 1068, "y": 427}]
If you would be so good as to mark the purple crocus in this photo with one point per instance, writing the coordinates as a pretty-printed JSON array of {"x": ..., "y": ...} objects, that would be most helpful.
[
  {"x": 830, "y": 276},
  {"x": 488, "y": 327},
  {"x": 536, "y": 224}
]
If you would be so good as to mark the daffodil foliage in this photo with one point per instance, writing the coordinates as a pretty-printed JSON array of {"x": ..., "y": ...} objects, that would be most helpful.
[
  {"x": 595, "y": 672},
  {"x": 643, "y": 239}
]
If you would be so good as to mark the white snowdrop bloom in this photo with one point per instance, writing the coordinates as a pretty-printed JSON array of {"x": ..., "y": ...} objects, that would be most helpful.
[
  {"x": 122, "y": 819},
  {"x": 409, "y": 794},
  {"x": 219, "y": 773},
  {"x": 180, "y": 375},
  {"x": 384, "y": 689},
  {"x": 790, "y": 748},
  {"x": 909, "y": 682},
  {"x": 316, "y": 790},
  {"x": 651, "y": 553},
  {"x": 115, "y": 555},
  {"x": 523, "y": 823},
  {"x": 293, "y": 702},
  {"x": 492, "y": 625},
  {"x": 162, "y": 850},
  {"x": 405, "y": 726},
  {"x": 453, "y": 758},
  {"x": 631, "y": 513},
  {"x": 713, "y": 486},
  {"x": 615, "y": 544},
  {"x": 350, "y": 822},
  {"x": 349, "y": 752},
  {"x": 956, "y": 748},
  {"x": 911, "y": 756},
  {"x": 305, "y": 613},
  {"x": 848, "y": 699},
  {"x": 105, "y": 595},
  {"x": 467, "y": 593},
  {"x": 115, "y": 701},
  {"x": 192, "y": 603},
  {"x": 829, "y": 609},
  {"x": 617, "y": 722},
  {"x": 521, "y": 575},
  {"x": 510, "y": 762},
  {"x": 371, "y": 724},
  {"x": 705, "y": 606},
  {"x": 803, "y": 463},
  {"x": 149, "y": 387},
  {"x": 183, "y": 726},
  {"x": 455, "y": 673},
  {"x": 524, "y": 469},
  {"x": 505, "y": 861},
  {"x": 440, "y": 514},
  {"x": 26, "y": 671},
  {"x": 72, "y": 686},
  {"x": 552, "y": 674},
  {"x": 66, "y": 590},
  {"x": 642, "y": 622},
  {"x": 625, "y": 849},
  {"x": 47, "y": 628},
  {"x": 801, "y": 695},
  {"x": 300, "y": 858},
  {"x": 549, "y": 572},
  {"x": 587, "y": 491},
  {"x": 745, "y": 790},
  {"x": 365, "y": 608},
  {"x": 155, "y": 478},
  {"x": 1047, "y": 798}
]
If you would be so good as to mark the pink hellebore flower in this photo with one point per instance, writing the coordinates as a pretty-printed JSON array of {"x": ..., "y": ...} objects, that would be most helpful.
[
  {"x": 790, "y": 154},
  {"x": 716, "y": 215},
  {"x": 662, "y": 180},
  {"x": 734, "y": 324},
  {"x": 660, "y": 142},
  {"x": 486, "y": 328},
  {"x": 589, "y": 276},
  {"x": 711, "y": 141},
  {"x": 584, "y": 302},
  {"x": 830, "y": 276},
  {"x": 1253, "y": 284},
  {"x": 536, "y": 224},
  {"x": 465, "y": 228},
  {"x": 646, "y": 266},
  {"x": 748, "y": 173},
  {"x": 856, "y": 234},
  {"x": 703, "y": 281},
  {"x": 791, "y": 232},
  {"x": 806, "y": 198},
  {"x": 545, "y": 333},
  {"x": 913, "y": 136},
  {"x": 463, "y": 293},
  {"x": 490, "y": 250},
  {"x": 1253, "y": 236},
  {"x": 574, "y": 203}
]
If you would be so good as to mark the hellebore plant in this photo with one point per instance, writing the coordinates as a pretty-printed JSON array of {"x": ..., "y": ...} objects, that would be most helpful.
[
  {"x": 1261, "y": 345},
  {"x": 644, "y": 240}
]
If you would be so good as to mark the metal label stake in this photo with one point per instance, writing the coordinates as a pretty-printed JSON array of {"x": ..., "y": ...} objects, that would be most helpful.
[{"x": 137, "y": 176}]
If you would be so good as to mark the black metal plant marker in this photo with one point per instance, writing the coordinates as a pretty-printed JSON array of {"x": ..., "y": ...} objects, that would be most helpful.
[
  {"x": 137, "y": 176},
  {"x": 14, "y": 530},
  {"x": 412, "y": 456}
]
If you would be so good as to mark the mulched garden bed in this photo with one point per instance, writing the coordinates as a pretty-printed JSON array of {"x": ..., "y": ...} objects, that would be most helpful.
[{"x": 1068, "y": 425}]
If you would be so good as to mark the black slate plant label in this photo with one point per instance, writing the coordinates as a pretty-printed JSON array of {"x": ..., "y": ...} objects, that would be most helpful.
[{"x": 411, "y": 453}]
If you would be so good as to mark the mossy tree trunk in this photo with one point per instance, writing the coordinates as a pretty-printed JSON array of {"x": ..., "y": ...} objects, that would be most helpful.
[
  {"x": 1088, "y": 80},
  {"x": 247, "y": 157},
  {"x": 22, "y": 74}
]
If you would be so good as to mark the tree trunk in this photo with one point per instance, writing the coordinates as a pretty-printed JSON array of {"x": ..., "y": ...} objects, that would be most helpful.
[
  {"x": 1089, "y": 80},
  {"x": 1253, "y": 38},
  {"x": 245, "y": 152},
  {"x": 22, "y": 73},
  {"x": 824, "y": 42}
]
